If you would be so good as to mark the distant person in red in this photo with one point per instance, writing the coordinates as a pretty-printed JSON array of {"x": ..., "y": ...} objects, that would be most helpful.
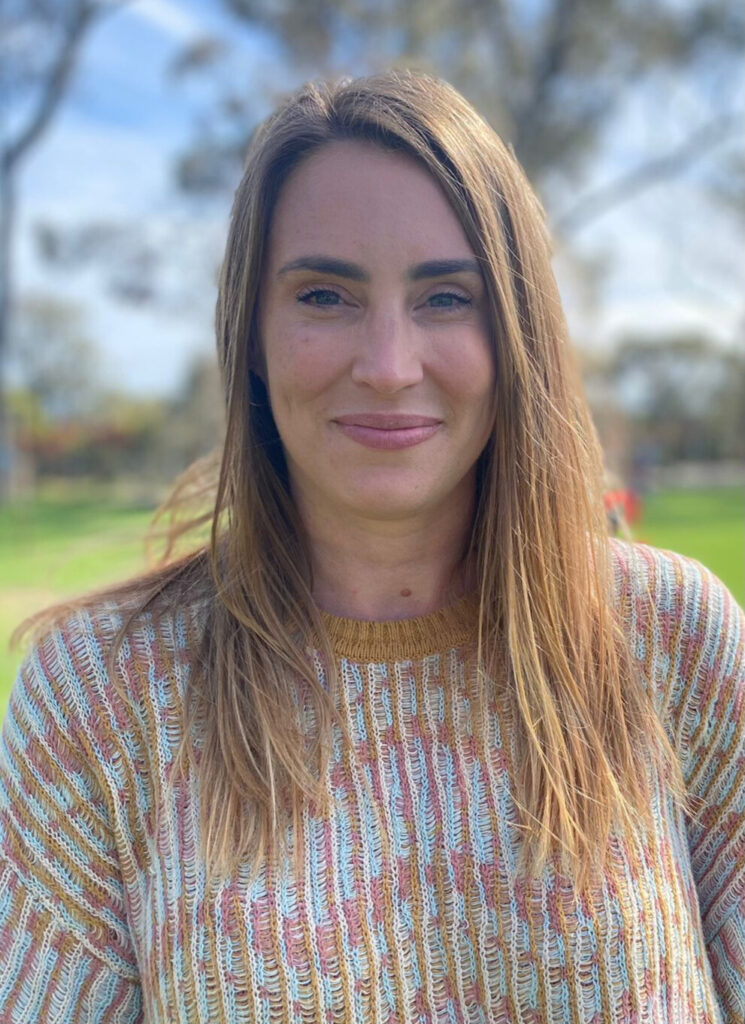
[{"x": 623, "y": 507}]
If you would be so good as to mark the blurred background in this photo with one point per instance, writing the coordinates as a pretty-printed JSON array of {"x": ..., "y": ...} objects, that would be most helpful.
[{"x": 123, "y": 130}]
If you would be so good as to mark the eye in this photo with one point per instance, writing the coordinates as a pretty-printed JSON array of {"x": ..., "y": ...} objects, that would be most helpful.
[
  {"x": 448, "y": 300},
  {"x": 319, "y": 297}
]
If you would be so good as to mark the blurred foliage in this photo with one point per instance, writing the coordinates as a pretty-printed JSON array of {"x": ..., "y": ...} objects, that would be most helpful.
[
  {"x": 51, "y": 358},
  {"x": 150, "y": 440},
  {"x": 550, "y": 75},
  {"x": 67, "y": 425},
  {"x": 39, "y": 43},
  {"x": 669, "y": 399}
]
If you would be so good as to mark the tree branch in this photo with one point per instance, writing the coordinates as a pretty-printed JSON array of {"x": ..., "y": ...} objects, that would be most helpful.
[
  {"x": 650, "y": 173},
  {"x": 545, "y": 68},
  {"x": 55, "y": 86}
]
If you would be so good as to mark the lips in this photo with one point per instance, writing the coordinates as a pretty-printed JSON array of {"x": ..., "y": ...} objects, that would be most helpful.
[
  {"x": 386, "y": 420},
  {"x": 387, "y": 431}
]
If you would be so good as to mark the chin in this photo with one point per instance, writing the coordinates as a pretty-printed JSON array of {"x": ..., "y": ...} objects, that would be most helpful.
[{"x": 390, "y": 503}]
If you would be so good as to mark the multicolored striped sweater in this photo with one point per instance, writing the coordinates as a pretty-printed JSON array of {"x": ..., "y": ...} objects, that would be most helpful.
[{"x": 408, "y": 907}]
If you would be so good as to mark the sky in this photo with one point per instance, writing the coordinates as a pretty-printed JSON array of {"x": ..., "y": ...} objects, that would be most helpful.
[{"x": 110, "y": 152}]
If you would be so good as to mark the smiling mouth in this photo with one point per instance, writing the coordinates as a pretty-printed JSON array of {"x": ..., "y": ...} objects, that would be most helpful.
[{"x": 387, "y": 431}]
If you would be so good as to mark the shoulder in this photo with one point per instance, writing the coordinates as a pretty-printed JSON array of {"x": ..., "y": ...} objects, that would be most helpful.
[
  {"x": 686, "y": 631},
  {"x": 95, "y": 670},
  {"x": 88, "y": 729},
  {"x": 80, "y": 644},
  {"x": 83, "y": 741},
  {"x": 642, "y": 567},
  {"x": 662, "y": 590}
]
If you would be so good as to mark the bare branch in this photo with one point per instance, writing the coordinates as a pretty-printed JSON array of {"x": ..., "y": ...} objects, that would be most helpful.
[
  {"x": 650, "y": 173},
  {"x": 55, "y": 85},
  {"x": 547, "y": 65},
  {"x": 553, "y": 56}
]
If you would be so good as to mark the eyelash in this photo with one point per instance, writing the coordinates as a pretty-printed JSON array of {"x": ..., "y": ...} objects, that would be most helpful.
[
  {"x": 306, "y": 296},
  {"x": 461, "y": 303}
]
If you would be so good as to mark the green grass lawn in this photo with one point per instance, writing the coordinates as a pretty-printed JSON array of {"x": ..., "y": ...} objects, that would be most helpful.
[
  {"x": 708, "y": 525},
  {"x": 63, "y": 544},
  {"x": 58, "y": 546}
]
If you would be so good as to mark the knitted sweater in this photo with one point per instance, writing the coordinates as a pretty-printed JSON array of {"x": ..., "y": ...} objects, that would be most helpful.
[{"x": 408, "y": 907}]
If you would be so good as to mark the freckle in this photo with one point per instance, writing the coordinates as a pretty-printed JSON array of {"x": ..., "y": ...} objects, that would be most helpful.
[{"x": 406, "y": 592}]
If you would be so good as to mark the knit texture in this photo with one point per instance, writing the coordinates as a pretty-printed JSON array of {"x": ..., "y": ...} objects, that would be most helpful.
[{"x": 408, "y": 907}]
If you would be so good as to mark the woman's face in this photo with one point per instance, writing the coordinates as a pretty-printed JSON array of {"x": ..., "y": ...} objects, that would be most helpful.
[{"x": 375, "y": 341}]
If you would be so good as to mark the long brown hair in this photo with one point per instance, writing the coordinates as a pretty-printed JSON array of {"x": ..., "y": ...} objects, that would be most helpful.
[{"x": 547, "y": 628}]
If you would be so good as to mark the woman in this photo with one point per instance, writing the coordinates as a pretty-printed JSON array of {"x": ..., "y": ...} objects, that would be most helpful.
[{"x": 411, "y": 739}]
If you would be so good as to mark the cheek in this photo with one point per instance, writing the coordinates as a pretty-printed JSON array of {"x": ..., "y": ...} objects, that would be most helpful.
[
  {"x": 299, "y": 368},
  {"x": 471, "y": 377}
]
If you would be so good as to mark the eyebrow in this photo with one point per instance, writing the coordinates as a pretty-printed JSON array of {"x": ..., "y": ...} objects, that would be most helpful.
[
  {"x": 354, "y": 272},
  {"x": 443, "y": 268}
]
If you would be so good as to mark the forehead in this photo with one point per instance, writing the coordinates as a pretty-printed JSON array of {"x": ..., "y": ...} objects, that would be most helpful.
[{"x": 351, "y": 198}]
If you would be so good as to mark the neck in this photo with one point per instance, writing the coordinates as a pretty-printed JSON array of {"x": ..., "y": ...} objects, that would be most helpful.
[{"x": 382, "y": 570}]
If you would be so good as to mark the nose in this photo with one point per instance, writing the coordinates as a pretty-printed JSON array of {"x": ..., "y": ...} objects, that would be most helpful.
[{"x": 387, "y": 357}]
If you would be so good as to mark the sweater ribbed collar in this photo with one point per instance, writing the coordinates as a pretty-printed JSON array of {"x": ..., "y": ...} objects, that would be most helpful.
[{"x": 402, "y": 639}]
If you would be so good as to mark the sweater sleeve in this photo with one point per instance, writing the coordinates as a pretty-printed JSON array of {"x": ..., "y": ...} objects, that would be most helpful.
[
  {"x": 712, "y": 667},
  {"x": 66, "y": 953}
]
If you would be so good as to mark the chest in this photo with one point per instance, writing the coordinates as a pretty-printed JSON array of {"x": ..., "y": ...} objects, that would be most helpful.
[{"x": 406, "y": 903}]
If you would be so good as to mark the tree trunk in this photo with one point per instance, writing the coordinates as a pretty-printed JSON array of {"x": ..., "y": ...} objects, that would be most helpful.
[{"x": 7, "y": 212}]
